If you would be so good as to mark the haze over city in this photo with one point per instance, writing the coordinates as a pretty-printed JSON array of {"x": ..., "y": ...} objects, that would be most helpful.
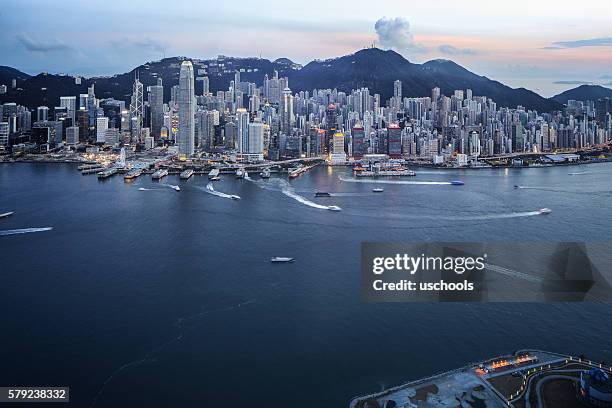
[{"x": 537, "y": 45}]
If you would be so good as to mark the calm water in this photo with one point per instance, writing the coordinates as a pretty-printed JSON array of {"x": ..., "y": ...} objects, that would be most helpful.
[{"x": 157, "y": 298}]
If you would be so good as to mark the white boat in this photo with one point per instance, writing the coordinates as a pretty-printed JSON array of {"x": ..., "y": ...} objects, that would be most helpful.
[
  {"x": 186, "y": 174},
  {"x": 175, "y": 188},
  {"x": 239, "y": 172},
  {"x": 6, "y": 214},
  {"x": 377, "y": 190},
  {"x": 334, "y": 208},
  {"x": 214, "y": 174},
  {"x": 545, "y": 211},
  {"x": 235, "y": 197},
  {"x": 265, "y": 173},
  {"x": 161, "y": 173},
  {"x": 281, "y": 259}
]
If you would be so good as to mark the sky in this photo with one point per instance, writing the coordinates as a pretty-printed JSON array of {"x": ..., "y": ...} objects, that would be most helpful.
[{"x": 544, "y": 45}]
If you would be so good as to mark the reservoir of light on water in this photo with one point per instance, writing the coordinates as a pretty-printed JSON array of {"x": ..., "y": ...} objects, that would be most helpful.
[{"x": 170, "y": 297}]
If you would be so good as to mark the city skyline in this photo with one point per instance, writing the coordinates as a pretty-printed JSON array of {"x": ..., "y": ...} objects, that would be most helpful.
[{"x": 537, "y": 46}]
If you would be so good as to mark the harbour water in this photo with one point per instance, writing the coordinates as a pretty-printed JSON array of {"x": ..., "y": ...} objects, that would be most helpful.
[{"x": 140, "y": 295}]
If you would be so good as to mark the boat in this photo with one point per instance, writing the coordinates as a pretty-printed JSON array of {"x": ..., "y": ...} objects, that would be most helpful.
[
  {"x": 239, "y": 173},
  {"x": 281, "y": 259},
  {"x": 107, "y": 173},
  {"x": 545, "y": 211},
  {"x": 186, "y": 174},
  {"x": 386, "y": 173},
  {"x": 516, "y": 186},
  {"x": 334, "y": 208},
  {"x": 132, "y": 174},
  {"x": 215, "y": 178},
  {"x": 377, "y": 190},
  {"x": 6, "y": 214},
  {"x": 234, "y": 197},
  {"x": 92, "y": 170},
  {"x": 322, "y": 194},
  {"x": 457, "y": 183},
  {"x": 159, "y": 174},
  {"x": 265, "y": 173},
  {"x": 175, "y": 188},
  {"x": 214, "y": 174}
]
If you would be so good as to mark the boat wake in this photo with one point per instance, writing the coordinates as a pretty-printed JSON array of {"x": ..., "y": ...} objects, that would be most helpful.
[
  {"x": 211, "y": 190},
  {"x": 287, "y": 189},
  {"x": 23, "y": 231},
  {"x": 372, "y": 181}
]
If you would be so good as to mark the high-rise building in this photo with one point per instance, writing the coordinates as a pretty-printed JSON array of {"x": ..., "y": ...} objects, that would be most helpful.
[
  {"x": 101, "y": 126},
  {"x": 242, "y": 122},
  {"x": 72, "y": 135},
  {"x": 136, "y": 108},
  {"x": 359, "y": 143},
  {"x": 4, "y": 133},
  {"x": 256, "y": 139},
  {"x": 394, "y": 140},
  {"x": 186, "y": 106},
  {"x": 156, "y": 105},
  {"x": 42, "y": 114},
  {"x": 69, "y": 102},
  {"x": 286, "y": 111}
]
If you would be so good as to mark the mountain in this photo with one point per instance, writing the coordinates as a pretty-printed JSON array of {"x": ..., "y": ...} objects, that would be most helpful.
[
  {"x": 372, "y": 67},
  {"x": 583, "y": 93},
  {"x": 7, "y": 74},
  {"x": 377, "y": 69}
]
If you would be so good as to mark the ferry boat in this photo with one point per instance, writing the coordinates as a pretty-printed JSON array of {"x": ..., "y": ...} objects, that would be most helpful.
[
  {"x": 175, "y": 188},
  {"x": 281, "y": 259},
  {"x": 377, "y": 171},
  {"x": 265, "y": 173},
  {"x": 214, "y": 174},
  {"x": 132, "y": 174},
  {"x": 334, "y": 208},
  {"x": 377, "y": 190},
  {"x": 186, "y": 174},
  {"x": 457, "y": 183},
  {"x": 6, "y": 214},
  {"x": 322, "y": 194},
  {"x": 545, "y": 211},
  {"x": 159, "y": 174},
  {"x": 234, "y": 197},
  {"x": 239, "y": 172},
  {"x": 107, "y": 173}
]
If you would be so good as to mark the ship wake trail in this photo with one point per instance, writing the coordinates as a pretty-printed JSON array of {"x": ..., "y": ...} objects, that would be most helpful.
[
  {"x": 211, "y": 190},
  {"x": 287, "y": 189},
  {"x": 24, "y": 231},
  {"x": 425, "y": 183},
  {"x": 180, "y": 324}
]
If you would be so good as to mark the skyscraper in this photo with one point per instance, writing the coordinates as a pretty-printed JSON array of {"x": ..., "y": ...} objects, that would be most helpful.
[
  {"x": 156, "y": 103},
  {"x": 242, "y": 120},
  {"x": 69, "y": 102},
  {"x": 186, "y": 106},
  {"x": 136, "y": 108}
]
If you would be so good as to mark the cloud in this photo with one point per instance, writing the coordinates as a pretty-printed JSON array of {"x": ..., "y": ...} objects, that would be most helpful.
[
  {"x": 448, "y": 49},
  {"x": 591, "y": 42},
  {"x": 394, "y": 33},
  {"x": 51, "y": 45},
  {"x": 573, "y": 83},
  {"x": 145, "y": 44}
]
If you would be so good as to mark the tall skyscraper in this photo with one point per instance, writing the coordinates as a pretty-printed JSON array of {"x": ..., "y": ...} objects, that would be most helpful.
[
  {"x": 256, "y": 136},
  {"x": 242, "y": 120},
  {"x": 69, "y": 102},
  {"x": 156, "y": 104},
  {"x": 186, "y": 106},
  {"x": 136, "y": 108}
]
